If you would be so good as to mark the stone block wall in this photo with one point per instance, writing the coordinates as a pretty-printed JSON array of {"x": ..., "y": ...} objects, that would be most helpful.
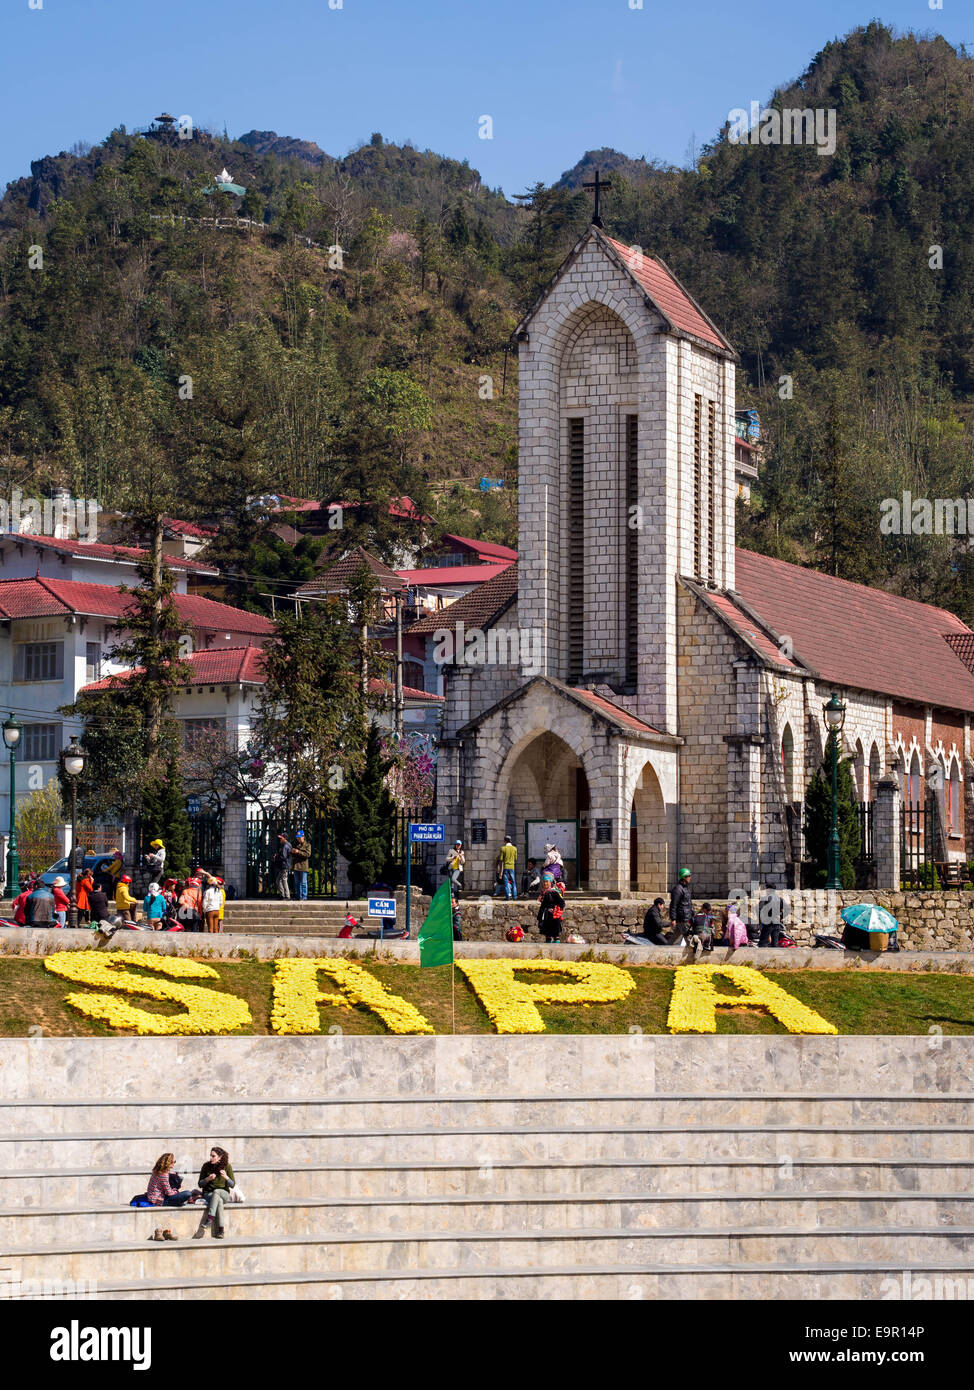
[{"x": 928, "y": 921}]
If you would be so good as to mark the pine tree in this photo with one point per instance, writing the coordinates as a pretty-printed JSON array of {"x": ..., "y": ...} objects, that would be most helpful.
[
  {"x": 818, "y": 820},
  {"x": 365, "y": 819},
  {"x": 164, "y": 818}
]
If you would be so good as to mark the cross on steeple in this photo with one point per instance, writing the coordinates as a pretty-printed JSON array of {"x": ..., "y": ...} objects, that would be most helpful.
[{"x": 597, "y": 186}]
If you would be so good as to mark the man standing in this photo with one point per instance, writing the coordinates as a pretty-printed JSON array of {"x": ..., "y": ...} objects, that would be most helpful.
[
  {"x": 300, "y": 860},
  {"x": 456, "y": 862},
  {"x": 507, "y": 859},
  {"x": 281, "y": 865},
  {"x": 681, "y": 906}
]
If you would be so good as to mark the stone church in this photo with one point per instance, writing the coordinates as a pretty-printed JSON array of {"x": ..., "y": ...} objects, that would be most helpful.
[{"x": 637, "y": 684}]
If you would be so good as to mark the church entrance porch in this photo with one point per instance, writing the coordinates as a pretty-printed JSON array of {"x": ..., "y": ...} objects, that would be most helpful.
[
  {"x": 550, "y": 752},
  {"x": 548, "y": 787}
]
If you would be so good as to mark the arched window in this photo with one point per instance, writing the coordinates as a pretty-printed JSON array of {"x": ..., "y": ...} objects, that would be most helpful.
[
  {"x": 861, "y": 775},
  {"x": 914, "y": 781},
  {"x": 953, "y": 798},
  {"x": 788, "y": 763},
  {"x": 873, "y": 773}
]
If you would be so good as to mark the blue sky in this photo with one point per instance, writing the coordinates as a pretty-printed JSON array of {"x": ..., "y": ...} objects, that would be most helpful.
[{"x": 557, "y": 77}]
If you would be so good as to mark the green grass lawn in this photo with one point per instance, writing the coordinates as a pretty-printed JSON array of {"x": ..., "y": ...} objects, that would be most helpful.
[{"x": 855, "y": 1001}]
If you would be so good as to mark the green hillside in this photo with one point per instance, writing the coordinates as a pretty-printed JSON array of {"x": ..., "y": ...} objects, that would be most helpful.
[{"x": 856, "y": 332}]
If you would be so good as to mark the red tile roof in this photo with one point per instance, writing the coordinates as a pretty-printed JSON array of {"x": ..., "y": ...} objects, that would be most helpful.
[
  {"x": 485, "y": 549},
  {"x": 409, "y": 691},
  {"x": 451, "y": 574},
  {"x": 189, "y": 528},
  {"x": 623, "y": 716},
  {"x": 667, "y": 294},
  {"x": 41, "y": 597},
  {"x": 740, "y": 621},
  {"x": 335, "y": 579},
  {"x": 241, "y": 666},
  {"x": 860, "y": 637},
  {"x": 479, "y": 608},
  {"x": 97, "y": 550},
  {"x": 224, "y": 666}
]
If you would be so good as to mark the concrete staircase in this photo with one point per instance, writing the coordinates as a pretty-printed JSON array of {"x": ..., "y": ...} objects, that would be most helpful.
[
  {"x": 501, "y": 1195},
  {"x": 313, "y": 917}
]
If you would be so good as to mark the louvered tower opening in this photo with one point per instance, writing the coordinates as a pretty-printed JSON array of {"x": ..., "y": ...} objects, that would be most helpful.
[
  {"x": 697, "y": 487},
  {"x": 632, "y": 551},
  {"x": 712, "y": 490},
  {"x": 576, "y": 548}
]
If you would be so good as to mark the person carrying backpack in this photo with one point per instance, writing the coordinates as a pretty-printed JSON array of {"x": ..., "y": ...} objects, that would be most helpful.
[
  {"x": 551, "y": 910},
  {"x": 190, "y": 907}
]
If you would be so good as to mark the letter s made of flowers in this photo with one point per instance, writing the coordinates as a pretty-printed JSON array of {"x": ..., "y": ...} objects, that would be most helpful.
[
  {"x": 695, "y": 1001},
  {"x": 510, "y": 1003},
  {"x": 206, "y": 1010}
]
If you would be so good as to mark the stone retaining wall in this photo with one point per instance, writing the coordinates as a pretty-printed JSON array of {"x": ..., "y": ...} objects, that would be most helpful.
[
  {"x": 942, "y": 921},
  {"x": 91, "y": 1069}
]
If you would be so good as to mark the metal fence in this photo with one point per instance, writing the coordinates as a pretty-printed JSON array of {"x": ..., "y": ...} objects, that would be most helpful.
[{"x": 917, "y": 844}]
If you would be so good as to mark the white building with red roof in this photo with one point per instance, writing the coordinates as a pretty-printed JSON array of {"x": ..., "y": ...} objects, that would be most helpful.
[
  {"x": 57, "y": 636},
  {"x": 637, "y": 688}
]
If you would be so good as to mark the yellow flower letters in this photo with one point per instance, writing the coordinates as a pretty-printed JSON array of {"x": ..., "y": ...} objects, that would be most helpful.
[
  {"x": 207, "y": 1010},
  {"x": 510, "y": 1003},
  {"x": 695, "y": 1001},
  {"x": 297, "y": 998}
]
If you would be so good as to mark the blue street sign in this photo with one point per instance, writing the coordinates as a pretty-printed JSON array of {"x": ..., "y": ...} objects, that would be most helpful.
[
  {"x": 425, "y": 832},
  {"x": 382, "y": 907},
  {"x": 193, "y": 805}
]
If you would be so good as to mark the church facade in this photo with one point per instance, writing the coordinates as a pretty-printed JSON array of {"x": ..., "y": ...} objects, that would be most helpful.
[{"x": 636, "y": 682}]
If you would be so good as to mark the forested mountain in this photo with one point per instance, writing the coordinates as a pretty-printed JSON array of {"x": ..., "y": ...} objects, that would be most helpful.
[{"x": 856, "y": 333}]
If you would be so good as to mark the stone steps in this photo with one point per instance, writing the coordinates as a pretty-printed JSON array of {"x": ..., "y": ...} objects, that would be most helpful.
[
  {"x": 755, "y": 1283},
  {"x": 34, "y": 1228},
  {"x": 322, "y": 1113},
  {"x": 494, "y": 1167},
  {"x": 667, "y": 1180},
  {"x": 328, "y": 1250},
  {"x": 729, "y": 1143}
]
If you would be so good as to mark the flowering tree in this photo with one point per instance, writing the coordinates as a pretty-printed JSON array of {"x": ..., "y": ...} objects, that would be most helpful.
[{"x": 412, "y": 769}]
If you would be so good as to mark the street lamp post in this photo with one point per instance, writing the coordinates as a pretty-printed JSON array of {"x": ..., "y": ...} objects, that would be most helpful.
[
  {"x": 12, "y": 731},
  {"x": 834, "y": 712},
  {"x": 72, "y": 766}
]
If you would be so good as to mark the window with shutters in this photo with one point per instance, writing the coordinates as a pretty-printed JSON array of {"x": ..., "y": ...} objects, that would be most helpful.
[
  {"x": 632, "y": 549},
  {"x": 39, "y": 661},
  {"x": 711, "y": 490},
  {"x": 92, "y": 661},
  {"x": 41, "y": 743},
  {"x": 576, "y": 547},
  {"x": 697, "y": 486}
]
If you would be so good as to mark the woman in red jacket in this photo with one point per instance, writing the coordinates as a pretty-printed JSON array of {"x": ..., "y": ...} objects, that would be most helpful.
[
  {"x": 84, "y": 883},
  {"x": 61, "y": 900}
]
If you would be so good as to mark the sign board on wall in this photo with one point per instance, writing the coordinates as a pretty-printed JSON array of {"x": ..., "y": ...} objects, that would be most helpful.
[{"x": 563, "y": 834}]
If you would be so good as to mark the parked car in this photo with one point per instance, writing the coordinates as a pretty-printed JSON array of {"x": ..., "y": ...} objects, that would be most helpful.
[{"x": 92, "y": 862}]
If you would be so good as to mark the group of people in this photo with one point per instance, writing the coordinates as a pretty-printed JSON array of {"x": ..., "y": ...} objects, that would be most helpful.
[
  {"x": 702, "y": 928},
  {"x": 291, "y": 861},
  {"x": 506, "y": 871},
  {"x": 105, "y": 900},
  {"x": 215, "y": 1187}
]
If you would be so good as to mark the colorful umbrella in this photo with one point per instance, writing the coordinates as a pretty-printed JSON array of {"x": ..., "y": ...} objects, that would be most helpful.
[{"x": 869, "y": 917}]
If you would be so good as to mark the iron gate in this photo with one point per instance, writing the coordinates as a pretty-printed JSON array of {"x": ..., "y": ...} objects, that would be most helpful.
[
  {"x": 262, "y": 832},
  {"x": 917, "y": 843}
]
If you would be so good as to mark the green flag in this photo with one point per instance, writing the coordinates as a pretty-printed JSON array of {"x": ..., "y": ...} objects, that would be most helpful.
[{"x": 436, "y": 933}]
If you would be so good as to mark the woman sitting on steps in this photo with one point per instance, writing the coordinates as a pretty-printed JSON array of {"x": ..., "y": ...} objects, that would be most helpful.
[
  {"x": 163, "y": 1191},
  {"x": 216, "y": 1184}
]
